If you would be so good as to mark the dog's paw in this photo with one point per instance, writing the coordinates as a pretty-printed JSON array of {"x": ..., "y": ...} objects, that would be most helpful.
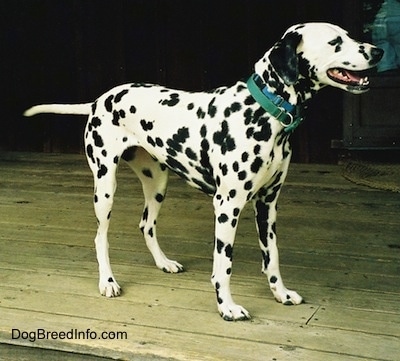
[
  {"x": 169, "y": 266},
  {"x": 288, "y": 298},
  {"x": 233, "y": 312},
  {"x": 109, "y": 287}
]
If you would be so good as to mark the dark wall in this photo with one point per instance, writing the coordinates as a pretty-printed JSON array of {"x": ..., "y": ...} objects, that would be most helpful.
[{"x": 72, "y": 51}]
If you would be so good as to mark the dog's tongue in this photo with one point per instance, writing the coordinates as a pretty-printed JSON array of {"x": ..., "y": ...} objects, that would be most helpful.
[{"x": 351, "y": 76}]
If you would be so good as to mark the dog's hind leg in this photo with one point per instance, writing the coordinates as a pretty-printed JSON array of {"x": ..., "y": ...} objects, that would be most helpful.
[
  {"x": 154, "y": 178},
  {"x": 104, "y": 188}
]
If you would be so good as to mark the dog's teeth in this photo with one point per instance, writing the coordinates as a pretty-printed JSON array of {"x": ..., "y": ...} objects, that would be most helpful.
[{"x": 363, "y": 81}]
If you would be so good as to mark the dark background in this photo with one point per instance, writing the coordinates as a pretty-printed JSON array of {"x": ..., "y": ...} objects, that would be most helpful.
[{"x": 74, "y": 50}]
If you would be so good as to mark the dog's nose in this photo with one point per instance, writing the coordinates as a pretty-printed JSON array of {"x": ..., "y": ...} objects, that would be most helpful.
[{"x": 376, "y": 54}]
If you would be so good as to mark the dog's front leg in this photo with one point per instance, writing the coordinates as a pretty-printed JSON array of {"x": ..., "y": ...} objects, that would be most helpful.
[
  {"x": 226, "y": 219},
  {"x": 264, "y": 203}
]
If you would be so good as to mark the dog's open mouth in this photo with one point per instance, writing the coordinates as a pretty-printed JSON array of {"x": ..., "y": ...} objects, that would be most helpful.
[{"x": 354, "y": 79}]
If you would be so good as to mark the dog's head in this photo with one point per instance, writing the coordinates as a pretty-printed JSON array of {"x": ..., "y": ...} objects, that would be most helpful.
[{"x": 315, "y": 55}]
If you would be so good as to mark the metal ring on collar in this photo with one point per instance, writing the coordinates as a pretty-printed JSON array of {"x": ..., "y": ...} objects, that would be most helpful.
[{"x": 288, "y": 115}]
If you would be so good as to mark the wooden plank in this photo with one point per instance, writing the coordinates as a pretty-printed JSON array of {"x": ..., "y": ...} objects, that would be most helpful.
[
  {"x": 334, "y": 276},
  {"x": 306, "y": 337},
  {"x": 381, "y": 323},
  {"x": 149, "y": 343},
  {"x": 338, "y": 249}
]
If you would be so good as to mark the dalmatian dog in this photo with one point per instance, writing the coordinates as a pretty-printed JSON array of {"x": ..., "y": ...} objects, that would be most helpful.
[{"x": 231, "y": 142}]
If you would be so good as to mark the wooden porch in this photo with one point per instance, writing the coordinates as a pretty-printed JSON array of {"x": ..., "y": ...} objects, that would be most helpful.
[{"x": 339, "y": 248}]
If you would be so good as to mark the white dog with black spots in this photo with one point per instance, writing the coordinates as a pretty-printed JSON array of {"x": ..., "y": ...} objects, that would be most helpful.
[{"x": 231, "y": 142}]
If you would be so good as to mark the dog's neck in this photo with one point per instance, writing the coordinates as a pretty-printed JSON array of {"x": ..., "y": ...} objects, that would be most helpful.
[{"x": 297, "y": 94}]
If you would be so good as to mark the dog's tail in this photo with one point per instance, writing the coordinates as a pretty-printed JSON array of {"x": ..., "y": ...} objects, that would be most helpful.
[{"x": 73, "y": 109}]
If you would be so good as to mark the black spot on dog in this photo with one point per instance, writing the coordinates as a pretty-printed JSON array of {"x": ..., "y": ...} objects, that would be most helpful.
[
  {"x": 217, "y": 287},
  {"x": 200, "y": 113},
  {"x": 147, "y": 173},
  {"x": 190, "y": 106},
  {"x": 132, "y": 109},
  {"x": 245, "y": 157},
  {"x": 104, "y": 153},
  {"x": 249, "y": 100},
  {"x": 241, "y": 87},
  {"x": 95, "y": 122},
  {"x": 266, "y": 259},
  {"x": 110, "y": 279},
  {"x": 172, "y": 101},
  {"x": 178, "y": 139},
  {"x": 119, "y": 96},
  {"x": 224, "y": 169},
  {"x": 229, "y": 251},
  {"x": 336, "y": 43},
  {"x": 212, "y": 109},
  {"x": 115, "y": 119},
  {"x": 89, "y": 153},
  {"x": 203, "y": 131},
  {"x": 362, "y": 51},
  {"x": 94, "y": 107},
  {"x": 151, "y": 141},
  {"x": 159, "y": 197},
  {"x": 220, "y": 245},
  {"x": 98, "y": 140},
  {"x": 116, "y": 159},
  {"x": 248, "y": 116},
  {"x": 232, "y": 193},
  {"x": 190, "y": 154},
  {"x": 248, "y": 185},
  {"x": 145, "y": 214},
  {"x": 235, "y": 107},
  {"x": 109, "y": 215},
  {"x": 273, "y": 279},
  {"x": 256, "y": 165},
  {"x": 102, "y": 171},
  {"x": 108, "y": 103},
  {"x": 146, "y": 125},
  {"x": 223, "y": 218},
  {"x": 223, "y": 139},
  {"x": 129, "y": 154},
  {"x": 249, "y": 132},
  {"x": 204, "y": 187},
  {"x": 176, "y": 166},
  {"x": 264, "y": 133},
  {"x": 242, "y": 175},
  {"x": 204, "y": 158},
  {"x": 159, "y": 142},
  {"x": 262, "y": 221}
]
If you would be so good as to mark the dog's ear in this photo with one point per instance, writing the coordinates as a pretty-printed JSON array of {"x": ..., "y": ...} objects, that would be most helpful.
[{"x": 283, "y": 57}]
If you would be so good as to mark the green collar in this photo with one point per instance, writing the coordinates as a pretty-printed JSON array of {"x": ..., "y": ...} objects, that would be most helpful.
[{"x": 274, "y": 105}]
